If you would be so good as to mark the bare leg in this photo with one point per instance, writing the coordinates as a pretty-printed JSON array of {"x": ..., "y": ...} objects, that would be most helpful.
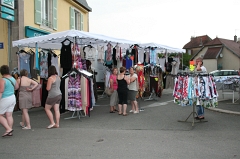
[
  {"x": 135, "y": 103},
  {"x": 23, "y": 120},
  {"x": 49, "y": 113},
  {"x": 4, "y": 123},
  {"x": 9, "y": 119},
  {"x": 133, "y": 108},
  {"x": 124, "y": 109},
  {"x": 26, "y": 118},
  {"x": 119, "y": 109},
  {"x": 57, "y": 114}
]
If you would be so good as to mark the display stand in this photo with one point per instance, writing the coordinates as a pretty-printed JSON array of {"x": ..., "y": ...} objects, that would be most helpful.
[
  {"x": 153, "y": 94},
  {"x": 194, "y": 114},
  {"x": 79, "y": 114}
]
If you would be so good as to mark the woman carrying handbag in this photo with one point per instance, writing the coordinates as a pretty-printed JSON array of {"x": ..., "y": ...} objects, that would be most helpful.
[{"x": 26, "y": 86}]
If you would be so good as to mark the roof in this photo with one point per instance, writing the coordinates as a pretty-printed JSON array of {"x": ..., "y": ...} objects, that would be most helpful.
[
  {"x": 212, "y": 53},
  {"x": 229, "y": 44},
  {"x": 197, "y": 42},
  {"x": 84, "y": 4},
  {"x": 234, "y": 47}
]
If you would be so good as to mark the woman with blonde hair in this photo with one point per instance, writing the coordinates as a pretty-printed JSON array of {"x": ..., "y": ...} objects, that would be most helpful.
[{"x": 26, "y": 86}]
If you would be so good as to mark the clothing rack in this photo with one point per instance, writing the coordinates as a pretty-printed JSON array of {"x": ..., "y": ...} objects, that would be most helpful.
[{"x": 193, "y": 113}]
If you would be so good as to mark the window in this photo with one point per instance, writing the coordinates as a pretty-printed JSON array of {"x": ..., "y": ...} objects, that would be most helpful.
[
  {"x": 76, "y": 19},
  {"x": 46, "y": 13}
]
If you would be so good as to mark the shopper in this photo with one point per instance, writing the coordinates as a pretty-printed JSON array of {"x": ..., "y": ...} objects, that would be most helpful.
[
  {"x": 54, "y": 97},
  {"x": 7, "y": 99},
  {"x": 133, "y": 89},
  {"x": 200, "y": 67},
  {"x": 26, "y": 86},
  {"x": 113, "y": 87},
  {"x": 123, "y": 82}
]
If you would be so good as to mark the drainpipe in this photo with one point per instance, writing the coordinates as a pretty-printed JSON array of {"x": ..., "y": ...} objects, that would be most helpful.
[{"x": 9, "y": 45}]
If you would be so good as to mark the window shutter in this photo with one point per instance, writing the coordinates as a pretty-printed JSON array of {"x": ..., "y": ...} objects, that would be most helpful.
[
  {"x": 72, "y": 18},
  {"x": 38, "y": 11},
  {"x": 55, "y": 14},
  {"x": 81, "y": 21}
]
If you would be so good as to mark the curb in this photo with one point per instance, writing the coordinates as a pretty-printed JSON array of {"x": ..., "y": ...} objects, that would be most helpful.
[{"x": 224, "y": 111}]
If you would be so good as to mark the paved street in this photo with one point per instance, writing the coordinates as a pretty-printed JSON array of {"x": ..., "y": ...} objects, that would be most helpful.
[{"x": 154, "y": 133}]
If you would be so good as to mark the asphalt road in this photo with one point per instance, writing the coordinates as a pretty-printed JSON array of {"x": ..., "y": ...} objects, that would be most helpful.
[{"x": 154, "y": 133}]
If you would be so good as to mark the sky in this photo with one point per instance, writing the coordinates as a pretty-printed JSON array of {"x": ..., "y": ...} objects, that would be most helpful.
[{"x": 167, "y": 22}]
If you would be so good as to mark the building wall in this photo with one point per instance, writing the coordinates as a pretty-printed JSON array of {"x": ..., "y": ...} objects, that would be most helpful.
[
  {"x": 4, "y": 38},
  {"x": 210, "y": 64},
  {"x": 230, "y": 60},
  {"x": 63, "y": 15}
]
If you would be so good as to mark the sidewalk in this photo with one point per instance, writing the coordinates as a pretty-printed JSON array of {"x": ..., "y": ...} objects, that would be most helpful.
[{"x": 225, "y": 104}]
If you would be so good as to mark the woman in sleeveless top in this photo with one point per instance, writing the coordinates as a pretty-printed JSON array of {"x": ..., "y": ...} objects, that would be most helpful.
[
  {"x": 7, "y": 100},
  {"x": 113, "y": 86},
  {"x": 54, "y": 97},
  {"x": 123, "y": 82},
  {"x": 26, "y": 86}
]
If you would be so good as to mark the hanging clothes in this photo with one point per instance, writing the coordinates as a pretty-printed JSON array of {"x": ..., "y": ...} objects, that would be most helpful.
[
  {"x": 66, "y": 57},
  {"x": 153, "y": 56},
  {"x": 141, "y": 81},
  {"x": 90, "y": 53},
  {"x": 147, "y": 56},
  {"x": 74, "y": 93},
  {"x": 24, "y": 61},
  {"x": 43, "y": 64},
  {"x": 114, "y": 58},
  {"x": 54, "y": 62},
  {"x": 141, "y": 56},
  {"x": 100, "y": 50}
]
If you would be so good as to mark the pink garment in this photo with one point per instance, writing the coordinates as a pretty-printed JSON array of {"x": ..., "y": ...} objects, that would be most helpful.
[
  {"x": 36, "y": 96},
  {"x": 114, "y": 78}
]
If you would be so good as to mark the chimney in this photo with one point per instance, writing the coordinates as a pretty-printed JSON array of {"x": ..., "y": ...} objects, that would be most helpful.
[
  {"x": 192, "y": 37},
  {"x": 235, "y": 38}
]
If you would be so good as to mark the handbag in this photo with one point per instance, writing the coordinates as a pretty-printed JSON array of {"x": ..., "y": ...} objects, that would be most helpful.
[
  {"x": 108, "y": 90},
  {"x": 36, "y": 94}
]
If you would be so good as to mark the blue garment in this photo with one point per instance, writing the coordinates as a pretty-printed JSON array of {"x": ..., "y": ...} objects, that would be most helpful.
[
  {"x": 8, "y": 87},
  {"x": 153, "y": 56},
  {"x": 129, "y": 63},
  {"x": 105, "y": 59},
  {"x": 200, "y": 110},
  {"x": 24, "y": 60}
]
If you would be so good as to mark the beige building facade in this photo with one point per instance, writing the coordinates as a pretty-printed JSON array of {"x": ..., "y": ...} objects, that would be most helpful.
[{"x": 41, "y": 17}]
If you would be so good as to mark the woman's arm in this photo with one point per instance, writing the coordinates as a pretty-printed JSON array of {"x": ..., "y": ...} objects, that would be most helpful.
[
  {"x": 132, "y": 79},
  {"x": 34, "y": 83},
  {"x": 16, "y": 85},
  {"x": 127, "y": 79},
  {"x": 111, "y": 83},
  {"x": 2, "y": 82},
  {"x": 49, "y": 83}
]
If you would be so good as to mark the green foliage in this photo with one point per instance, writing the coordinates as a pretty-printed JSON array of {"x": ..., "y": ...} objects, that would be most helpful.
[{"x": 186, "y": 59}]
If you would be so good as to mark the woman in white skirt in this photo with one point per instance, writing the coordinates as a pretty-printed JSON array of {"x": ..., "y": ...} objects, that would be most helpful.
[{"x": 113, "y": 87}]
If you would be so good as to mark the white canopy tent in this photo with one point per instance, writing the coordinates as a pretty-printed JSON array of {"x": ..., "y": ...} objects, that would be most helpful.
[
  {"x": 163, "y": 48},
  {"x": 53, "y": 41}
]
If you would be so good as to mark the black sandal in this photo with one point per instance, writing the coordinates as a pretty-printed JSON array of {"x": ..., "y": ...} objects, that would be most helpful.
[
  {"x": 112, "y": 112},
  {"x": 115, "y": 110}
]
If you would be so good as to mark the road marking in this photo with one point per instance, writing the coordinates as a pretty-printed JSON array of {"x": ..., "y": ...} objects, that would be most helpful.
[{"x": 157, "y": 104}]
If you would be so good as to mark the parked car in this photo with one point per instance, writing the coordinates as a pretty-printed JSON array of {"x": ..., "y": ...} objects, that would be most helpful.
[{"x": 223, "y": 74}]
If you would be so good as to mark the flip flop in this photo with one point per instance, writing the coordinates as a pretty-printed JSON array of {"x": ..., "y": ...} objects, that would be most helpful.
[
  {"x": 51, "y": 126},
  {"x": 21, "y": 124},
  {"x": 26, "y": 128},
  {"x": 7, "y": 133}
]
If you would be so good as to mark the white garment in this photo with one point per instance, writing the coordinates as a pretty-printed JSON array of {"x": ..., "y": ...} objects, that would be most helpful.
[
  {"x": 133, "y": 85},
  {"x": 90, "y": 53},
  {"x": 162, "y": 62},
  {"x": 107, "y": 76},
  {"x": 203, "y": 69},
  {"x": 92, "y": 93},
  {"x": 66, "y": 92},
  {"x": 141, "y": 55},
  {"x": 175, "y": 66},
  {"x": 118, "y": 52},
  {"x": 147, "y": 55},
  {"x": 101, "y": 54},
  {"x": 54, "y": 62}
]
